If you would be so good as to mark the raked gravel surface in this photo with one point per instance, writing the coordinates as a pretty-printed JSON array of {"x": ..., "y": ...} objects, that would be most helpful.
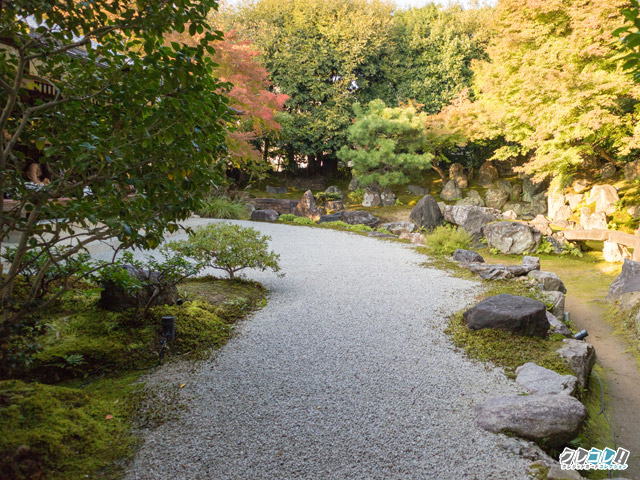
[{"x": 345, "y": 374}]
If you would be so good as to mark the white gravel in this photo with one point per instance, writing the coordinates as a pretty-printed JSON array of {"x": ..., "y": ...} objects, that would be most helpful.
[{"x": 345, "y": 374}]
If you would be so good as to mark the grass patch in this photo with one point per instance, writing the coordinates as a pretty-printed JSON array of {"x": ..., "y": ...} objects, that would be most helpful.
[
  {"x": 504, "y": 349},
  {"x": 223, "y": 207},
  {"x": 77, "y": 423},
  {"x": 626, "y": 323}
]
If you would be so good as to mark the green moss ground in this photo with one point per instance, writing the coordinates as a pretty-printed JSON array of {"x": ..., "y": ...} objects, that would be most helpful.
[{"x": 77, "y": 423}]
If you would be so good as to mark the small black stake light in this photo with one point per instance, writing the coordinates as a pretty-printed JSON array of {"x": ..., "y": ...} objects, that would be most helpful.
[
  {"x": 169, "y": 327},
  {"x": 581, "y": 335}
]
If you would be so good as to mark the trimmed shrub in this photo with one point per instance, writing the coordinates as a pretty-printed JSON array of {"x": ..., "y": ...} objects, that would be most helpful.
[{"x": 445, "y": 240}]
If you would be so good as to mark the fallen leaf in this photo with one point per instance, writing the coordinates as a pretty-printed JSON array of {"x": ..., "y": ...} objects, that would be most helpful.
[
  {"x": 108, "y": 417},
  {"x": 183, "y": 385}
]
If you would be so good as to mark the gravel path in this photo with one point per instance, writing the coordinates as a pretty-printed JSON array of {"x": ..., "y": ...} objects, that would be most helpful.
[{"x": 346, "y": 374}]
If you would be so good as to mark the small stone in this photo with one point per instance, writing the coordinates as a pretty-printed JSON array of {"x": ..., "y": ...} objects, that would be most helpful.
[
  {"x": 557, "y": 326},
  {"x": 608, "y": 171},
  {"x": 627, "y": 282},
  {"x": 334, "y": 190},
  {"x": 472, "y": 198},
  {"x": 580, "y": 356},
  {"x": 371, "y": 197},
  {"x": 580, "y": 185},
  {"x": 354, "y": 184},
  {"x": 614, "y": 252},
  {"x": 498, "y": 272},
  {"x": 632, "y": 170},
  {"x": 556, "y": 300},
  {"x": 334, "y": 205},
  {"x": 533, "y": 262},
  {"x": 307, "y": 207},
  {"x": 456, "y": 172},
  {"x": 541, "y": 224},
  {"x": 509, "y": 215},
  {"x": 417, "y": 238},
  {"x": 388, "y": 198},
  {"x": 634, "y": 211},
  {"x": 467, "y": 256},
  {"x": 451, "y": 191},
  {"x": 398, "y": 228}
]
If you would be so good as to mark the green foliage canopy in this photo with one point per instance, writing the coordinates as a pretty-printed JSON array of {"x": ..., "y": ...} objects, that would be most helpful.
[
  {"x": 553, "y": 87},
  {"x": 391, "y": 145}
]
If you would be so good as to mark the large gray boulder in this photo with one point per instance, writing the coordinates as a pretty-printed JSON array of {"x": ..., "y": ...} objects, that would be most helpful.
[
  {"x": 512, "y": 237},
  {"x": 604, "y": 197},
  {"x": 496, "y": 198},
  {"x": 371, "y": 197},
  {"x": 580, "y": 356},
  {"x": 426, "y": 213},
  {"x": 487, "y": 174},
  {"x": 116, "y": 298},
  {"x": 265, "y": 216},
  {"x": 533, "y": 262},
  {"x": 531, "y": 189},
  {"x": 280, "y": 205},
  {"x": 398, "y": 228},
  {"x": 627, "y": 282},
  {"x": 352, "y": 217},
  {"x": 307, "y": 207},
  {"x": 451, "y": 191},
  {"x": 556, "y": 419},
  {"x": 521, "y": 315},
  {"x": 538, "y": 380},
  {"x": 471, "y": 218},
  {"x": 467, "y": 256},
  {"x": 548, "y": 280}
]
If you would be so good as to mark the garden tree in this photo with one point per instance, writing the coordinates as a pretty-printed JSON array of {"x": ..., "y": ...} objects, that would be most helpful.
[
  {"x": 629, "y": 35},
  {"x": 553, "y": 87},
  {"x": 433, "y": 48},
  {"x": 237, "y": 63},
  {"x": 325, "y": 55},
  {"x": 130, "y": 132},
  {"x": 392, "y": 145}
]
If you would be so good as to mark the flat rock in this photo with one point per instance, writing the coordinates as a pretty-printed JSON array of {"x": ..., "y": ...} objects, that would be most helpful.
[
  {"x": 280, "y": 205},
  {"x": 512, "y": 237},
  {"x": 426, "y": 213},
  {"x": 417, "y": 190},
  {"x": 307, "y": 207},
  {"x": 271, "y": 189},
  {"x": 471, "y": 218},
  {"x": 467, "y": 256},
  {"x": 265, "y": 215},
  {"x": 352, "y": 217},
  {"x": 538, "y": 380},
  {"x": 580, "y": 356},
  {"x": 398, "y": 228},
  {"x": 490, "y": 271},
  {"x": 548, "y": 280},
  {"x": 521, "y": 315},
  {"x": 554, "y": 418}
]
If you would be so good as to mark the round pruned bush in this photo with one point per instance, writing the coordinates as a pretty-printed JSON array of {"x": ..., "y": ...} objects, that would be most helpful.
[{"x": 228, "y": 247}]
